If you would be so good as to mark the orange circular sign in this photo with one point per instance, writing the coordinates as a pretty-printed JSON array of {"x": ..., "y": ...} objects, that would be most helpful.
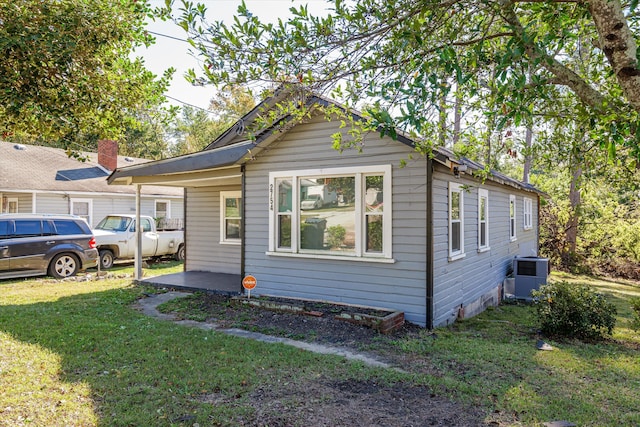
[{"x": 249, "y": 282}]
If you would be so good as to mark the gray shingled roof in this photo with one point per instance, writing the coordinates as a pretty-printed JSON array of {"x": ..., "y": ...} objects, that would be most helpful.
[
  {"x": 38, "y": 168},
  {"x": 231, "y": 148}
]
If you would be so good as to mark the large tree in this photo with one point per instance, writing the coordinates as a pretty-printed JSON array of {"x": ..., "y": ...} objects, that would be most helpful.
[
  {"x": 408, "y": 58},
  {"x": 197, "y": 128},
  {"x": 67, "y": 69}
]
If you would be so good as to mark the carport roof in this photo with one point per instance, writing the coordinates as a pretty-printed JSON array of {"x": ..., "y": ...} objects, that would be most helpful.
[{"x": 201, "y": 161}]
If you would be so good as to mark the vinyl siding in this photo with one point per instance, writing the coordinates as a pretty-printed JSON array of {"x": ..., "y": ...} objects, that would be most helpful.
[
  {"x": 401, "y": 285},
  {"x": 204, "y": 250},
  {"x": 52, "y": 203},
  {"x": 25, "y": 201},
  {"x": 102, "y": 205},
  {"x": 460, "y": 282}
]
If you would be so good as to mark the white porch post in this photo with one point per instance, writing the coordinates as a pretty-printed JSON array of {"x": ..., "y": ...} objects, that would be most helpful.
[{"x": 138, "y": 252}]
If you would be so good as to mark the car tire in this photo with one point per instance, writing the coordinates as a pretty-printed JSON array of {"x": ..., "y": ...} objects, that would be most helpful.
[
  {"x": 106, "y": 259},
  {"x": 180, "y": 255},
  {"x": 64, "y": 265}
]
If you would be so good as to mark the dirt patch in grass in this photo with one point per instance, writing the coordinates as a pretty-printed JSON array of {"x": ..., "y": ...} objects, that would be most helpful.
[
  {"x": 323, "y": 329},
  {"x": 327, "y": 401},
  {"x": 361, "y": 403}
]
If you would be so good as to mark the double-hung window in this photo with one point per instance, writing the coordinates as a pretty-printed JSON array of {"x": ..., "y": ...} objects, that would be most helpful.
[
  {"x": 483, "y": 220},
  {"x": 456, "y": 221},
  {"x": 335, "y": 212},
  {"x": 83, "y": 208},
  {"x": 10, "y": 204},
  {"x": 512, "y": 217},
  {"x": 528, "y": 213},
  {"x": 163, "y": 209},
  {"x": 230, "y": 216}
]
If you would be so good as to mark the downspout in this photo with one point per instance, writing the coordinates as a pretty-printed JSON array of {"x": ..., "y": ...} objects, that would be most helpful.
[
  {"x": 429, "y": 244},
  {"x": 242, "y": 224},
  {"x": 184, "y": 226},
  {"x": 538, "y": 229}
]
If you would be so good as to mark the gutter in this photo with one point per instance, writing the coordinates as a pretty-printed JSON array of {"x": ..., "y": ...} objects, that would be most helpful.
[{"x": 429, "y": 245}]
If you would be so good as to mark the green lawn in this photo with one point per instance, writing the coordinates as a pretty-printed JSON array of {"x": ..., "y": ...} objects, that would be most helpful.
[
  {"x": 492, "y": 360},
  {"x": 78, "y": 354}
]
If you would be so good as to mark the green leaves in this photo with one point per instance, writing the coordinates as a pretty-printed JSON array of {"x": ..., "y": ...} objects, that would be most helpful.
[
  {"x": 574, "y": 311},
  {"x": 509, "y": 63},
  {"x": 66, "y": 68}
]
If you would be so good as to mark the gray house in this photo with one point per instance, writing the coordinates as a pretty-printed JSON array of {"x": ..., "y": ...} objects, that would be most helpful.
[
  {"x": 37, "y": 179},
  {"x": 427, "y": 238}
]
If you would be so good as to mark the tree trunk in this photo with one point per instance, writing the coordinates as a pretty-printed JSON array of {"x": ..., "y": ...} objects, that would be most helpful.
[
  {"x": 618, "y": 43},
  {"x": 571, "y": 234},
  {"x": 527, "y": 155},
  {"x": 443, "y": 120},
  {"x": 457, "y": 117},
  {"x": 487, "y": 144}
]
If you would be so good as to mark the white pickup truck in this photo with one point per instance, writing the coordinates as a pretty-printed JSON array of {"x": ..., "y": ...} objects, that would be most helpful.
[{"x": 116, "y": 239}]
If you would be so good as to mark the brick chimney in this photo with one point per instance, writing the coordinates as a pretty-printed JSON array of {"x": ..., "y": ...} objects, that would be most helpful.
[{"x": 108, "y": 154}]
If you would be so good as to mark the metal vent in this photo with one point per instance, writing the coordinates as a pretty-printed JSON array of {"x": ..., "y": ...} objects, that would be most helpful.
[{"x": 240, "y": 127}]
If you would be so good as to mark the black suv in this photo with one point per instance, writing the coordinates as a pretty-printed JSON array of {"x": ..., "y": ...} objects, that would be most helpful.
[{"x": 37, "y": 244}]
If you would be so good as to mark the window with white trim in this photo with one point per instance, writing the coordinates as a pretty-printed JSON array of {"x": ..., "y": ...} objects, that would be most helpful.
[
  {"x": 82, "y": 208},
  {"x": 163, "y": 209},
  {"x": 528, "y": 213},
  {"x": 335, "y": 212},
  {"x": 12, "y": 205},
  {"x": 456, "y": 221},
  {"x": 230, "y": 216},
  {"x": 512, "y": 217},
  {"x": 483, "y": 220}
]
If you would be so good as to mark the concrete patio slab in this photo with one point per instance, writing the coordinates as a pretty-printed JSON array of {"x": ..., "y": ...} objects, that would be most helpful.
[{"x": 218, "y": 283}]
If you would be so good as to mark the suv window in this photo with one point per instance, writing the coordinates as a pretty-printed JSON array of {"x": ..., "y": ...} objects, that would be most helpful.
[
  {"x": 67, "y": 227},
  {"x": 47, "y": 228},
  {"x": 28, "y": 228},
  {"x": 4, "y": 229}
]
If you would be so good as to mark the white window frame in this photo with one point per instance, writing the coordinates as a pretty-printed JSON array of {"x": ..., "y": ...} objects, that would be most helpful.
[
  {"x": 527, "y": 204},
  {"x": 155, "y": 208},
  {"x": 360, "y": 174},
  {"x": 459, "y": 189},
  {"x": 89, "y": 202},
  {"x": 11, "y": 200},
  {"x": 512, "y": 218},
  {"x": 224, "y": 195},
  {"x": 483, "y": 194}
]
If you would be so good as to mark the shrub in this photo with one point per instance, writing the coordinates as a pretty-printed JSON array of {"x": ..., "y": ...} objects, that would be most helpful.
[
  {"x": 573, "y": 310},
  {"x": 335, "y": 235},
  {"x": 635, "y": 305}
]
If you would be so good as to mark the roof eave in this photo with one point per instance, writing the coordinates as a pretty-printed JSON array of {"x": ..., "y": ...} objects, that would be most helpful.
[{"x": 204, "y": 160}]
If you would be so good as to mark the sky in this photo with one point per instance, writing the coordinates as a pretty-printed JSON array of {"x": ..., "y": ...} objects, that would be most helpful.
[{"x": 171, "y": 49}]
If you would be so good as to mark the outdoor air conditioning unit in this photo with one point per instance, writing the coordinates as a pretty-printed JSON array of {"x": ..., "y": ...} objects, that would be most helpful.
[{"x": 529, "y": 274}]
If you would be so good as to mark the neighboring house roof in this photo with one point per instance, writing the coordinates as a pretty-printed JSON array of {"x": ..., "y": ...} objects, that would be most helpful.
[
  {"x": 232, "y": 147},
  {"x": 27, "y": 168}
]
